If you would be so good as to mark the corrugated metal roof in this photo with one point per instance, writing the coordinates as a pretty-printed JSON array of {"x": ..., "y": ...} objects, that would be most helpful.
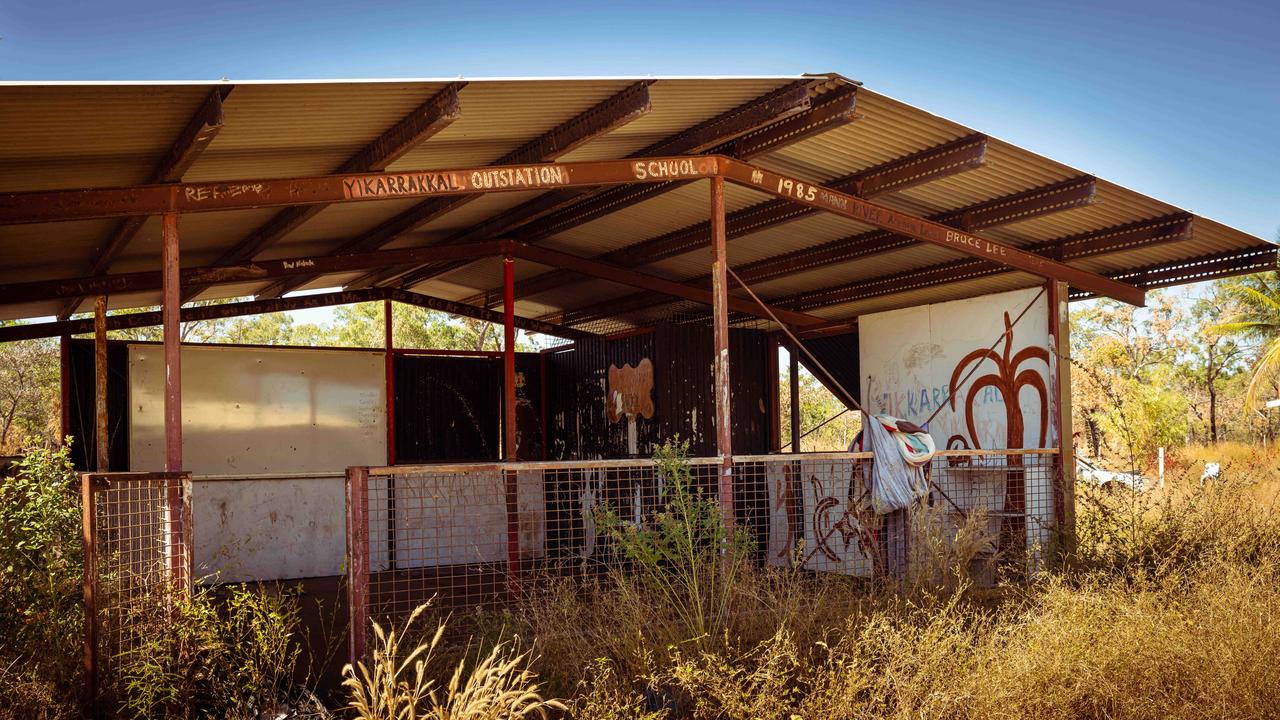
[{"x": 281, "y": 129}]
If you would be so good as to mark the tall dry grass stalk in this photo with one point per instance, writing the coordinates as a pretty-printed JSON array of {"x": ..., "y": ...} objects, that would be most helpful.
[{"x": 398, "y": 684}]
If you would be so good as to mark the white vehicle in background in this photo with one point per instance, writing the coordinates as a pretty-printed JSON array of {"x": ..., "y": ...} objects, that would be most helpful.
[{"x": 1088, "y": 471}]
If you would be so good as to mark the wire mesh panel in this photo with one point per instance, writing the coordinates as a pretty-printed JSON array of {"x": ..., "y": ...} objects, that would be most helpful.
[
  {"x": 478, "y": 535},
  {"x": 137, "y": 532}
]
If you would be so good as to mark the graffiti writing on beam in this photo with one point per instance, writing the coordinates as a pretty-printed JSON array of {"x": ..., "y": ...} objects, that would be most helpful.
[
  {"x": 676, "y": 168},
  {"x": 880, "y": 217},
  {"x": 417, "y": 184}
]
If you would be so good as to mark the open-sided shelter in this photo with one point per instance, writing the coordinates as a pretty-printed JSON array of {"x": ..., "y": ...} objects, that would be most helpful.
[{"x": 673, "y": 232}]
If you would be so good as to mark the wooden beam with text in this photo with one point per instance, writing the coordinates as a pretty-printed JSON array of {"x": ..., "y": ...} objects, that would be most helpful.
[
  {"x": 929, "y": 231},
  {"x": 435, "y": 114},
  {"x": 623, "y": 107},
  {"x": 761, "y": 125}
]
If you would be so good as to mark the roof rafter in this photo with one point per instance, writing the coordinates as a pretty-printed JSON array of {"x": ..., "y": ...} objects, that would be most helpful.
[
  {"x": 1065, "y": 195},
  {"x": 1239, "y": 261},
  {"x": 198, "y": 133},
  {"x": 1147, "y": 233},
  {"x": 629, "y": 104},
  {"x": 435, "y": 114},
  {"x": 126, "y": 321},
  {"x": 910, "y": 171},
  {"x": 789, "y": 114},
  {"x": 653, "y": 283}
]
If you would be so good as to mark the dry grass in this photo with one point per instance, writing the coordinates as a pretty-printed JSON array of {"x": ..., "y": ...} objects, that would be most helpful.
[
  {"x": 1169, "y": 608},
  {"x": 399, "y": 682}
]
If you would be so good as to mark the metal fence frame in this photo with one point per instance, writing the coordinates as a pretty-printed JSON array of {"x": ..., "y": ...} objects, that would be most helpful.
[
  {"x": 137, "y": 538},
  {"x": 369, "y": 558}
]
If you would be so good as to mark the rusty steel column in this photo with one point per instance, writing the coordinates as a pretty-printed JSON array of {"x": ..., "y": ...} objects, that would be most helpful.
[
  {"x": 794, "y": 379},
  {"x": 357, "y": 561},
  {"x": 100, "y": 437},
  {"x": 720, "y": 313},
  {"x": 508, "y": 360},
  {"x": 1060, "y": 407},
  {"x": 389, "y": 345},
  {"x": 509, "y": 439},
  {"x": 89, "y": 533},
  {"x": 170, "y": 312}
]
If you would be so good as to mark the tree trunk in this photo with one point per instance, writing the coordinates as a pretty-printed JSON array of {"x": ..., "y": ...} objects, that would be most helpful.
[{"x": 1213, "y": 414}]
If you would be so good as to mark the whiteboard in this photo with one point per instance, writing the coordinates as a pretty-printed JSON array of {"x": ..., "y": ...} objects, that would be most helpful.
[
  {"x": 261, "y": 410},
  {"x": 247, "y": 412}
]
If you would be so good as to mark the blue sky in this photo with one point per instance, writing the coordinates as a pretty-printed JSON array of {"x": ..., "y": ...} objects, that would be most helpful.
[{"x": 1179, "y": 100}]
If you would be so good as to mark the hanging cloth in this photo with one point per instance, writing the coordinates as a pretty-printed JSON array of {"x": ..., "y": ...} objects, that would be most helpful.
[{"x": 900, "y": 451}]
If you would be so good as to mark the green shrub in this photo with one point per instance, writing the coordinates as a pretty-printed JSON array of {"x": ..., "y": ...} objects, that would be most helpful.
[
  {"x": 41, "y": 570},
  {"x": 197, "y": 656},
  {"x": 684, "y": 554}
]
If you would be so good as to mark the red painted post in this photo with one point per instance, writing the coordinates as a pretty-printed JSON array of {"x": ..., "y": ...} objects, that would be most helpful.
[
  {"x": 101, "y": 438},
  {"x": 357, "y": 561},
  {"x": 509, "y": 439},
  {"x": 389, "y": 345},
  {"x": 720, "y": 312},
  {"x": 88, "y": 536}
]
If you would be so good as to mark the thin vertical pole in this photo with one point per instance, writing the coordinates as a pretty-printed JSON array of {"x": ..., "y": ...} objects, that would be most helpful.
[
  {"x": 720, "y": 313},
  {"x": 390, "y": 391},
  {"x": 101, "y": 438},
  {"x": 89, "y": 534},
  {"x": 357, "y": 561},
  {"x": 793, "y": 379},
  {"x": 171, "y": 318},
  {"x": 389, "y": 345},
  {"x": 64, "y": 362},
  {"x": 508, "y": 360},
  {"x": 509, "y": 449},
  {"x": 775, "y": 412}
]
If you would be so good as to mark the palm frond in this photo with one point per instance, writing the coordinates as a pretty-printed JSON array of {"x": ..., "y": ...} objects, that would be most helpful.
[{"x": 1268, "y": 367}]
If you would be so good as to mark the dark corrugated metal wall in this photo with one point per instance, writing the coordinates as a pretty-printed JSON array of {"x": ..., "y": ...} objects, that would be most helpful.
[
  {"x": 839, "y": 355},
  {"x": 683, "y": 393},
  {"x": 83, "y": 423},
  {"x": 576, "y": 384},
  {"x": 447, "y": 408}
]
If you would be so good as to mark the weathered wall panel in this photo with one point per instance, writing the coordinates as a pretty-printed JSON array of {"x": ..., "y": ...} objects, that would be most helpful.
[
  {"x": 577, "y": 383},
  {"x": 447, "y": 408},
  {"x": 255, "y": 411},
  {"x": 988, "y": 372}
]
